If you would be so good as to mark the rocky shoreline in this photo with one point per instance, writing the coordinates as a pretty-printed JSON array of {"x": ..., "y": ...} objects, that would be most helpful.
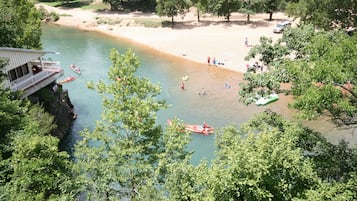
[{"x": 56, "y": 101}]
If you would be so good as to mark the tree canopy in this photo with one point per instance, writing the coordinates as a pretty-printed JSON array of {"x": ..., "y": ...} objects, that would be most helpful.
[
  {"x": 36, "y": 170},
  {"x": 172, "y": 8},
  {"x": 129, "y": 156},
  {"x": 325, "y": 14},
  {"x": 321, "y": 74},
  {"x": 121, "y": 154},
  {"x": 20, "y": 24},
  {"x": 31, "y": 165},
  {"x": 268, "y": 158}
]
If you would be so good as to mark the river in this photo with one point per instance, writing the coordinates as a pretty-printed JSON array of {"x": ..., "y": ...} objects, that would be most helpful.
[{"x": 220, "y": 107}]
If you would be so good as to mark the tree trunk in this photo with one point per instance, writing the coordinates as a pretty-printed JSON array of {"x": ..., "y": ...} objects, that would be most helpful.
[
  {"x": 248, "y": 18},
  {"x": 172, "y": 21},
  {"x": 270, "y": 16},
  {"x": 198, "y": 15}
]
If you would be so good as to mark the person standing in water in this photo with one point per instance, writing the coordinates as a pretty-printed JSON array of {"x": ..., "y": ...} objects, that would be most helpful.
[
  {"x": 182, "y": 85},
  {"x": 202, "y": 92}
]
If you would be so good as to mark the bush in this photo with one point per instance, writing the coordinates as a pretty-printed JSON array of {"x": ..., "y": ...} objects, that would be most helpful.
[{"x": 46, "y": 16}]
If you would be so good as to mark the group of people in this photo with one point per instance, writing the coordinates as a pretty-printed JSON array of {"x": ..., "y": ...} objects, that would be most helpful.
[
  {"x": 202, "y": 92},
  {"x": 214, "y": 61},
  {"x": 255, "y": 67}
]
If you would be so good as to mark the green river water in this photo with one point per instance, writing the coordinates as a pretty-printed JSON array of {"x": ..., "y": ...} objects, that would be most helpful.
[{"x": 220, "y": 107}]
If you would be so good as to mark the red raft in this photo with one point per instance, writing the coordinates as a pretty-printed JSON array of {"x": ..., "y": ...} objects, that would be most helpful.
[
  {"x": 67, "y": 79},
  {"x": 204, "y": 129}
]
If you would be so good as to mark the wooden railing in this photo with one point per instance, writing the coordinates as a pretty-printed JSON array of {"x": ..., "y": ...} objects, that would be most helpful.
[{"x": 49, "y": 73}]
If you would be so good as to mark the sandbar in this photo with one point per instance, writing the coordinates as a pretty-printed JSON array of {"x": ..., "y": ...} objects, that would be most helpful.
[{"x": 189, "y": 39}]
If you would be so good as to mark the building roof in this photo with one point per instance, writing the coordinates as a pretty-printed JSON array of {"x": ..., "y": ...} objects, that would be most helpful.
[
  {"x": 18, "y": 56},
  {"x": 11, "y": 49}
]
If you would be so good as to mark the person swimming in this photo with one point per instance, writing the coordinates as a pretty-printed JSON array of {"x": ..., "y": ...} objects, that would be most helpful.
[{"x": 202, "y": 92}]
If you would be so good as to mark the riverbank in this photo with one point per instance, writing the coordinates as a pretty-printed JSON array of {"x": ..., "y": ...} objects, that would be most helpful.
[{"x": 196, "y": 41}]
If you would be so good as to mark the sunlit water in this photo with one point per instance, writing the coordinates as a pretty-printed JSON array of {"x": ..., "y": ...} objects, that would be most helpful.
[{"x": 219, "y": 108}]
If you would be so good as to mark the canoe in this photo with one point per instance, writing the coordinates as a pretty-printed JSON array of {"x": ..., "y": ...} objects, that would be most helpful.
[
  {"x": 197, "y": 128},
  {"x": 267, "y": 99},
  {"x": 67, "y": 79},
  {"x": 75, "y": 69}
]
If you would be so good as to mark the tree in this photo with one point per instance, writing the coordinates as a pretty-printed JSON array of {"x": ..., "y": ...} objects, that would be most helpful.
[
  {"x": 268, "y": 158},
  {"x": 201, "y": 6},
  {"x": 20, "y": 24},
  {"x": 335, "y": 191},
  {"x": 271, "y": 6},
  {"x": 260, "y": 162},
  {"x": 325, "y": 14},
  {"x": 250, "y": 7},
  {"x": 36, "y": 169},
  {"x": 12, "y": 111},
  {"x": 321, "y": 74},
  {"x": 178, "y": 177},
  {"x": 332, "y": 162},
  {"x": 114, "y": 4},
  {"x": 171, "y": 8},
  {"x": 224, "y": 7},
  {"x": 120, "y": 156},
  {"x": 261, "y": 84}
]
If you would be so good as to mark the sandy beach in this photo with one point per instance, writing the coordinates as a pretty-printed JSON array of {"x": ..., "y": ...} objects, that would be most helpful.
[{"x": 196, "y": 41}]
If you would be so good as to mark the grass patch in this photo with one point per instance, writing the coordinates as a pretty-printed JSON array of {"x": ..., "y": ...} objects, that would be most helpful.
[
  {"x": 166, "y": 23},
  {"x": 153, "y": 23},
  {"x": 108, "y": 21},
  {"x": 83, "y": 4},
  {"x": 97, "y": 6},
  {"x": 67, "y": 4},
  {"x": 65, "y": 15},
  {"x": 53, "y": 4}
]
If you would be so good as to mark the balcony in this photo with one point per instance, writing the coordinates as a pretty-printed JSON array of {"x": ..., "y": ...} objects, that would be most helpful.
[{"x": 29, "y": 84}]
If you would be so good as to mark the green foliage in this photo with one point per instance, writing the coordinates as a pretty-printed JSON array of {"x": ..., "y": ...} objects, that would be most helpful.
[
  {"x": 148, "y": 22},
  {"x": 251, "y": 7},
  {"x": 224, "y": 7},
  {"x": 48, "y": 16},
  {"x": 12, "y": 111},
  {"x": 297, "y": 40},
  {"x": 260, "y": 162},
  {"x": 120, "y": 156},
  {"x": 132, "y": 5},
  {"x": 114, "y": 4},
  {"x": 172, "y": 8},
  {"x": 175, "y": 172},
  {"x": 331, "y": 162},
  {"x": 259, "y": 85},
  {"x": 20, "y": 24},
  {"x": 271, "y": 6},
  {"x": 201, "y": 6},
  {"x": 321, "y": 74},
  {"x": 335, "y": 191},
  {"x": 267, "y": 51},
  {"x": 31, "y": 167},
  {"x": 36, "y": 169},
  {"x": 325, "y": 14},
  {"x": 268, "y": 158}
]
